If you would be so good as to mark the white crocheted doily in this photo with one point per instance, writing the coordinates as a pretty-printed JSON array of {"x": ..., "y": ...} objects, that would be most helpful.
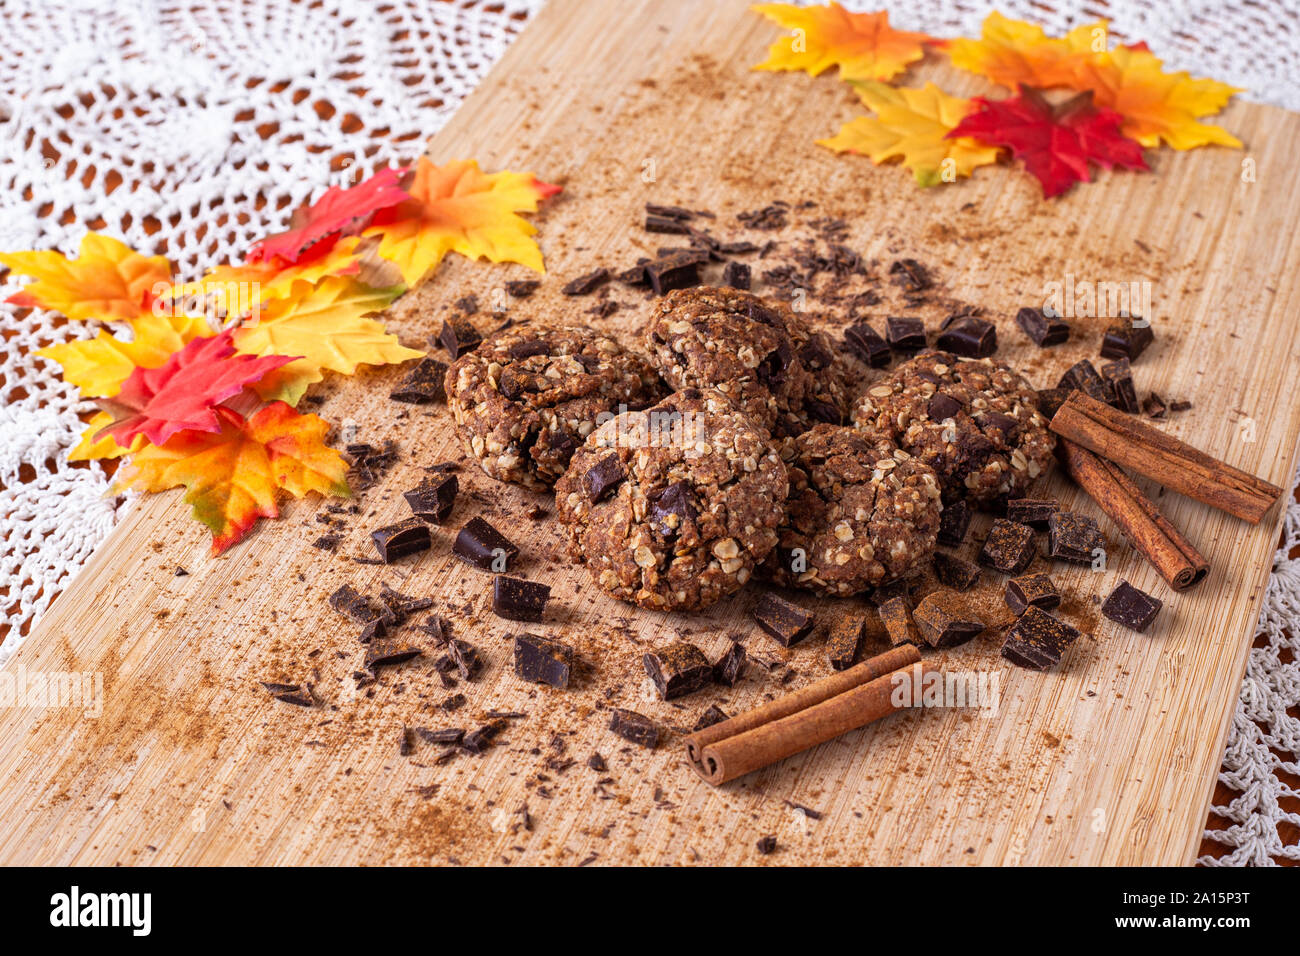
[{"x": 192, "y": 129}]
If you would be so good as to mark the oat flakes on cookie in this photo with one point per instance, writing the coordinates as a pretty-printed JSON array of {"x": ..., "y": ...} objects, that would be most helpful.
[
  {"x": 674, "y": 507},
  {"x": 528, "y": 396},
  {"x": 760, "y": 354},
  {"x": 974, "y": 421},
  {"x": 860, "y": 512}
]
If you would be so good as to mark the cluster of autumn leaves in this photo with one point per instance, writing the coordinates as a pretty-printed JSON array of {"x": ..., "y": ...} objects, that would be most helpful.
[
  {"x": 197, "y": 382},
  {"x": 1124, "y": 99}
]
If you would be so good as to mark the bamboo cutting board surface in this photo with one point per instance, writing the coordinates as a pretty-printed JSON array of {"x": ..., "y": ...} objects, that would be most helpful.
[{"x": 1108, "y": 759}]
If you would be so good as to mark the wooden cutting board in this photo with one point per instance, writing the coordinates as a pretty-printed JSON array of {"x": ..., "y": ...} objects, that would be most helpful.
[{"x": 1109, "y": 759}]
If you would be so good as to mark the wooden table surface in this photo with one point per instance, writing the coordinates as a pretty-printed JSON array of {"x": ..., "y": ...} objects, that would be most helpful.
[{"x": 1109, "y": 759}]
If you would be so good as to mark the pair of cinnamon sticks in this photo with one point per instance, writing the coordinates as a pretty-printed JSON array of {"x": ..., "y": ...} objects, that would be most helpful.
[
  {"x": 1098, "y": 441},
  {"x": 846, "y": 700}
]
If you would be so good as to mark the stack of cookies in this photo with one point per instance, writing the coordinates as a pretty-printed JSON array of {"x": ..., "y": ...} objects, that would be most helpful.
[{"x": 740, "y": 446}]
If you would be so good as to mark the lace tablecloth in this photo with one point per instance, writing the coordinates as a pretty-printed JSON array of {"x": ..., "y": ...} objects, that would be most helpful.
[{"x": 190, "y": 129}]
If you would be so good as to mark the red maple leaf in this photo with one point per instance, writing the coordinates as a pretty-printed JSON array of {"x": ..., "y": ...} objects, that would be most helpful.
[
  {"x": 337, "y": 211},
  {"x": 182, "y": 393},
  {"x": 1056, "y": 144}
]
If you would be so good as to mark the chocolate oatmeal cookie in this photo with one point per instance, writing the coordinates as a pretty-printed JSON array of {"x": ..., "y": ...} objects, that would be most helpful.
[
  {"x": 759, "y": 354},
  {"x": 528, "y": 396},
  {"x": 974, "y": 421},
  {"x": 861, "y": 512},
  {"x": 672, "y": 508}
]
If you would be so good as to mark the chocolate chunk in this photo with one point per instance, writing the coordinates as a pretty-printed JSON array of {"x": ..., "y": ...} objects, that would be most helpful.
[
  {"x": 1074, "y": 537},
  {"x": 527, "y": 349},
  {"x": 787, "y": 623},
  {"x": 678, "y": 670},
  {"x": 954, "y": 521},
  {"x": 968, "y": 336},
  {"x": 1119, "y": 379},
  {"x": 328, "y": 542},
  {"x": 1127, "y": 341},
  {"x": 422, "y": 384},
  {"x": 1009, "y": 547},
  {"x": 635, "y": 275},
  {"x": 459, "y": 336},
  {"x": 680, "y": 271},
  {"x": 766, "y": 845},
  {"x": 714, "y": 715},
  {"x": 942, "y": 406},
  {"x": 542, "y": 660},
  {"x": 346, "y": 600},
  {"x": 398, "y": 540},
  {"x": 899, "y": 587},
  {"x": 518, "y": 600},
  {"x": 1006, "y": 426},
  {"x": 911, "y": 275},
  {"x": 597, "y": 763},
  {"x": 603, "y": 476},
  {"x": 1154, "y": 406},
  {"x": 944, "y": 620},
  {"x": 666, "y": 226},
  {"x": 484, "y": 546},
  {"x": 388, "y": 652},
  {"x": 730, "y": 667},
  {"x": 1179, "y": 406},
  {"x": 861, "y": 339},
  {"x": 404, "y": 743},
  {"x": 896, "y": 616},
  {"x": 585, "y": 285},
  {"x": 522, "y": 288},
  {"x": 844, "y": 642},
  {"x": 1038, "y": 590},
  {"x": 1083, "y": 376},
  {"x": 635, "y": 727},
  {"x": 671, "y": 508},
  {"x": 905, "y": 334},
  {"x": 477, "y": 741},
  {"x": 1044, "y": 331},
  {"x": 449, "y": 736},
  {"x": 669, "y": 212},
  {"x": 1131, "y": 607},
  {"x": 820, "y": 411},
  {"x": 294, "y": 694},
  {"x": 1034, "y": 512},
  {"x": 1051, "y": 399},
  {"x": 955, "y": 573},
  {"x": 1037, "y": 640},
  {"x": 433, "y": 498},
  {"x": 737, "y": 275},
  {"x": 401, "y": 606}
]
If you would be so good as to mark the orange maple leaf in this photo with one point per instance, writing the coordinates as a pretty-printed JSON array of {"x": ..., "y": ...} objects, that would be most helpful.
[
  {"x": 459, "y": 208},
  {"x": 1011, "y": 52},
  {"x": 234, "y": 476},
  {"x": 108, "y": 280},
  {"x": 863, "y": 45}
]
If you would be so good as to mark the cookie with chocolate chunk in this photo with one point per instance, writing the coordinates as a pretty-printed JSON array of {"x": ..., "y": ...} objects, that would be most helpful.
[
  {"x": 528, "y": 396},
  {"x": 758, "y": 353},
  {"x": 974, "y": 421},
  {"x": 860, "y": 511},
  {"x": 673, "y": 508}
]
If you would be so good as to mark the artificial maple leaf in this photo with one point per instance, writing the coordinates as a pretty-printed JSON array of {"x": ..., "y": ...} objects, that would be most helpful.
[
  {"x": 182, "y": 393},
  {"x": 100, "y": 365},
  {"x": 863, "y": 45},
  {"x": 93, "y": 445},
  {"x": 459, "y": 208},
  {"x": 229, "y": 292},
  {"x": 1157, "y": 105},
  {"x": 108, "y": 280},
  {"x": 233, "y": 476},
  {"x": 324, "y": 323},
  {"x": 1055, "y": 144},
  {"x": 338, "y": 211},
  {"x": 1012, "y": 52},
  {"x": 913, "y": 125}
]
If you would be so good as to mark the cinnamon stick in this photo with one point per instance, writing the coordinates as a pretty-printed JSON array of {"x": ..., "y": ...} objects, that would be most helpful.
[
  {"x": 756, "y": 739},
  {"x": 1146, "y": 529},
  {"x": 1119, "y": 437}
]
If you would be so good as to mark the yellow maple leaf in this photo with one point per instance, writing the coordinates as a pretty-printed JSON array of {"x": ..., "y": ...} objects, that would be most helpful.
[
  {"x": 100, "y": 365},
  {"x": 1011, "y": 52},
  {"x": 459, "y": 208},
  {"x": 233, "y": 289},
  {"x": 108, "y": 280},
  {"x": 234, "y": 476},
  {"x": 911, "y": 125},
  {"x": 90, "y": 445},
  {"x": 863, "y": 45},
  {"x": 1157, "y": 105},
  {"x": 325, "y": 323}
]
